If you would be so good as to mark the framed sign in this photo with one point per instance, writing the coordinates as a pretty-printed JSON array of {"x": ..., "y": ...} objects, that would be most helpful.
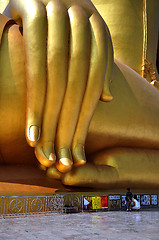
[
  {"x": 95, "y": 202},
  {"x": 145, "y": 200},
  {"x": 114, "y": 202},
  {"x": 154, "y": 199}
]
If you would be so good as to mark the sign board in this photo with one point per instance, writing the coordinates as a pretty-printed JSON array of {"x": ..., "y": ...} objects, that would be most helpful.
[
  {"x": 114, "y": 197},
  {"x": 145, "y": 200},
  {"x": 95, "y": 202},
  {"x": 154, "y": 200},
  {"x": 114, "y": 202}
]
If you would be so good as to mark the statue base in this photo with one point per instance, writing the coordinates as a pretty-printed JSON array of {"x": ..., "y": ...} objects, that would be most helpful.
[
  {"x": 22, "y": 180},
  {"x": 26, "y": 190}
]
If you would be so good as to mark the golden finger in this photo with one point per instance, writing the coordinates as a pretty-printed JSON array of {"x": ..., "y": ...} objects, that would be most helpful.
[
  {"x": 98, "y": 63},
  {"x": 77, "y": 78},
  {"x": 106, "y": 94},
  {"x": 31, "y": 14},
  {"x": 57, "y": 64}
]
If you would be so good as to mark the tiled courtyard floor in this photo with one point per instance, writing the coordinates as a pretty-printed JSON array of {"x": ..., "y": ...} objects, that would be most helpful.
[{"x": 83, "y": 226}]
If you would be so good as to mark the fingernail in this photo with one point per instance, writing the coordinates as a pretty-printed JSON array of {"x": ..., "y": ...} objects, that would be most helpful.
[
  {"x": 79, "y": 162},
  {"x": 65, "y": 160},
  {"x": 79, "y": 155},
  {"x": 42, "y": 158},
  {"x": 48, "y": 150},
  {"x": 106, "y": 97},
  {"x": 52, "y": 157},
  {"x": 64, "y": 165},
  {"x": 34, "y": 133}
]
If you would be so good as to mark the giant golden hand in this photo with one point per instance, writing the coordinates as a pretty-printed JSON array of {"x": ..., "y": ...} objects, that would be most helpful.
[
  {"x": 69, "y": 55},
  {"x": 122, "y": 144}
]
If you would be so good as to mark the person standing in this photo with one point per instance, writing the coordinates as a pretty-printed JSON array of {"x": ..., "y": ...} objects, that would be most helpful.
[{"x": 128, "y": 199}]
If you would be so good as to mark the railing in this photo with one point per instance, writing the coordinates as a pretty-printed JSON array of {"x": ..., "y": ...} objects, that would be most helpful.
[
  {"x": 68, "y": 202},
  {"x": 26, "y": 205},
  {"x": 75, "y": 200}
]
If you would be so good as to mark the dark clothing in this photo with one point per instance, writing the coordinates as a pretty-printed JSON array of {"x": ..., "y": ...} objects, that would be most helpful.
[
  {"x": 128, "y": 200},
  {"x": 129, "y": 196}
]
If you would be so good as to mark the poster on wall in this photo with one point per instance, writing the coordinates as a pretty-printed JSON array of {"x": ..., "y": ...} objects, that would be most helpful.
[
  {"x": 114, "y": 202},
  {"x": 95, "y": 202},
  {"x": 154, "y": 200},
  {"x": 145, "y": 200},
  {"x": 104, "y": 202}
]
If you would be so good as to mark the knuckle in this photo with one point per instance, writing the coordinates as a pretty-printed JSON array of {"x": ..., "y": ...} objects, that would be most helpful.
[
  {"x": 56, "y": 7},
  {"x": 38, "y": 10},
  {"x": 78, "y": 15},
  {"x": 96, "y": 19}
]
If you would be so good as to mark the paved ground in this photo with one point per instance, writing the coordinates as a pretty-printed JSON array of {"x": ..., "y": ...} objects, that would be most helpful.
[{"x": 83, "y": 226}]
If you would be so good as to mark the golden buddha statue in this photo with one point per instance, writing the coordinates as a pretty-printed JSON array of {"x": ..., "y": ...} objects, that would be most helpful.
[{"x": 55, "y": 67}]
